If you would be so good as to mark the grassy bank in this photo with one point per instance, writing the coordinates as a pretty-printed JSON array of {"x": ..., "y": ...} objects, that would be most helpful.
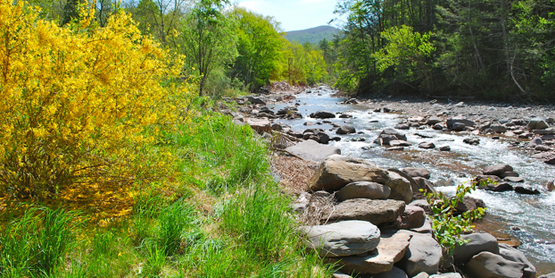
[{"x": 216, "y": 212}]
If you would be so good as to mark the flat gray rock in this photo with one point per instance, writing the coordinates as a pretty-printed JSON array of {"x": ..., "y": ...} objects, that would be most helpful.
[
  {"x": 336, "y": 171},
  {"x": 313, "y": 151},
  {"x": 477, "y": 242},
  {"x": 345, "y": 238},
  {"x": 374, "y": 211},
  {"x": 417, "y": 172},
  {"x": 497, "y": 170},
  {"x": 489, "y": 265},
  {"x": 363, "y": 189},
  {"x": 391, "y": 249},
  {"x": 512, "y": 254}
]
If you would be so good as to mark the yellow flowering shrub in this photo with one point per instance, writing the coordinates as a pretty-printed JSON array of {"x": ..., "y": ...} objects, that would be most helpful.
[{"x": 79, "y": 103}]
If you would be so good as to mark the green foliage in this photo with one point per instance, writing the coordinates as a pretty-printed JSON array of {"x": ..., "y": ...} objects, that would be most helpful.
[{"x": 446, "y": 223}]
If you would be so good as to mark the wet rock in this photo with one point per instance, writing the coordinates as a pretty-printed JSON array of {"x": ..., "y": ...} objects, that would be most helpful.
[
  {"x": 399, "y": 143},
  {"x": 500, "y": 187},
  {"x": 546, "y": 157},
  {"x": 469, "y": 204},
  {"x": 512, "y": 254},
  {"x": 471, "y": 141},
  {"x": 412, "y": 217},
  {"x": 497, "y": 170},
  {"x": 313, "y": 151},
  {"x": 432, "y": 120},
  {"x": 345, "y": 116},
  {"x": 498, "y": 128},
  {"x": 477, "y": 242},
  {"x": 494, "y": 178},
  {"x": 401, "y": 188},
  {"x": 426, "y": 145},
  {"x": 402, "y": 126},
  {"x": 337, "y": 171},
  {"x": 341, "y": 239},
  {"x": 514, "y": 179},
  {"x": 526, "y": 191},
  {"x": 423, "y": 255},
  {"x": 376, "y": 212},
  {"x": 417, "y": 172},
  {"x": 322, "y": 115},
  {"x": 438, "y": 127},
  {"x": 309, "y": 123},
  {"x": 550, "y": 186},
  {"x": 395, "y": 149},
  {"x": 509, "y": 174},
  {"x": 388, "y": 135},
  {"x": 445, "y": 148},
  {"x": 363, "y": 189},
  {"x": 391, "y": 249},
  {"x": 488, "y": 265},
  {"x": 459, "y": 124},
  {"x": 346, "y": 129}
]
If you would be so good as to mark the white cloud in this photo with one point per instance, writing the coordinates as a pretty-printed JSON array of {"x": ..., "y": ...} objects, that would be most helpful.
[
  {"x": 311, "y": 1},
  {"x": 251, "y": 5}
]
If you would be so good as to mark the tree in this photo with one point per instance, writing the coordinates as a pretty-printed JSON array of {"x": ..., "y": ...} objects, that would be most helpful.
[{"x": 208, "y": 38}]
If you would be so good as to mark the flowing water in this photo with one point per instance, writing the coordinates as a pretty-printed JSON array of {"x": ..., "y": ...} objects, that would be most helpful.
[{"x": 529, "y": 218}]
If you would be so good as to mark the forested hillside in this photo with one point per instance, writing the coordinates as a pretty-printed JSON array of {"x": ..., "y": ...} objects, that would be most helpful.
[
  {"x": 312, "y": 35},
  {"x": 485, "y": 49}
]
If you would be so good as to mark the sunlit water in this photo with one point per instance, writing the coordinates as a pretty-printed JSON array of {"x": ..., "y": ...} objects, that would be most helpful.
[{"x": 529, "y": 218}]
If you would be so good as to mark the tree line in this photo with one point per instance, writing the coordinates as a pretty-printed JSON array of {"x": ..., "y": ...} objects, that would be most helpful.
[{"x": 501, "y": 49}]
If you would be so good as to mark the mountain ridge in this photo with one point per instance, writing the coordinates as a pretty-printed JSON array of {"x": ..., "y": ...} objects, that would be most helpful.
[{"x": 312, "y": 35}]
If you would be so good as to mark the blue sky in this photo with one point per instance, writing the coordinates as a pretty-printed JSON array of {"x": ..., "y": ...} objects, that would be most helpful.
[{"x": 294, "y": 14}]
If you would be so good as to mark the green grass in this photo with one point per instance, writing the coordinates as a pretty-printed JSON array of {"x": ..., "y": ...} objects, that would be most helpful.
[{"x": 223, "y": 216}]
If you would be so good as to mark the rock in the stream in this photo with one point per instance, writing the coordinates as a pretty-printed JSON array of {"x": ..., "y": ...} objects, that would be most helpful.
[
  {"x": 401, "y": 188},
  {"x": 426, "y": 145},
  {"x": 486, "y": 177},
  {"x": 424, "y": 255},
  {"x": 412, "y": 217},
  {"x": 346, "y": 129},
  {"x": 514, "y": 179},
  {"x": 313, "y": 151},
  {"x": 497, "y": 170},
  {"x": 444, "y": 148},
  {"x": 500, "y": 187},
  {"x": 459, "y": 124},
  {"x": 345, "y": 238},
  {"x": 477, "y": 242},
  {"x": 363, "y": 189},
  {"x": 512, "y": 254},
  {"x": 489, "y": 265},
  {"x": 417, "y": 172},
  {"x": 374, "y": 211},
  {"x": 399, "y": 143},
  {"x": 471, "y": 141},
  {"x": 388, "y": 135},
  {"x": 391, "y": 249},
  {"x": 322, "y": 115},
  {"x": 468, "y": 204},
  {"x": 337, "y": 171},
  {"x": 526, "y": 190}
]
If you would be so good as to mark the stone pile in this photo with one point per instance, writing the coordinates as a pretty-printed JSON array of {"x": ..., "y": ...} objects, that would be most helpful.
[{"x": 502, "y": 178}]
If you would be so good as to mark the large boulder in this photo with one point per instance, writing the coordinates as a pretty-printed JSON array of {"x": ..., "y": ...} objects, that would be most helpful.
[
  {"x": 391, "y": 249},
  {"x": 322, "y": 115},
  {"x": 345, "y": 238},
  {"x": 260, "y": 125},
  {"x": 374, "y": 211},
  {"x": 313, "y": 151},
  {"x": 512, "y": 254},
  {"x": 497, "y": 170},
  {"x": 424, "y": 255},
  {"x": 476, "y": 243},
  {"x": 337, "y": 171},
  {"x": 489, "y": 265},
  {"x": 417, "y": 172},
  {"x": 388, "y": 135},
  {"x": 459, "y": 124},
  {"x": 401, "y": 188},
  {"x": 363, "y": 189}
]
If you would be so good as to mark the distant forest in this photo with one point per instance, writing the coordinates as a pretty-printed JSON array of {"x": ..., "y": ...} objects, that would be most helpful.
[{"x": 312, "y": 35}]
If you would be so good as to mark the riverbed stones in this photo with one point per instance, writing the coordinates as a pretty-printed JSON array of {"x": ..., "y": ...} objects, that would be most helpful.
[
  {"x": 512, "y": 254},
  {"x": 346, "y": 129},
  {"x": 422, "y": 184},
  {"x": 255, "y": 100},
  {"x": 514, "y": 179},
  {"x": 345, "y": 238},
  {"x": 260, "y": 125},
  {"x": 423, "y": 255},
  {"x": 469, "y": 204},
  {"x": 363, "y": 189},
  {"x": 526, "y": 190},
  {"x": 537, "y": 123},
  {"x": 399, "y": 143},
  {"x": 322, "y": 115},
  {"x": 432, "y": 120},
  {"x": 313, "y": 151},
  {"x": 426, "y": 145},
  {"x": 337, "y": 171},
  {"x": 412, "y": 217},
  {"x": 500, "y": 187},
  {"x": 417, "y": 172},
  {"x": 376, "y": 212},
  {"x": 388, "y": 135},
  {"x": 489, "y": 265},
  {"x": 476, "y": 243},
  {"x": 391, "y": 249}
]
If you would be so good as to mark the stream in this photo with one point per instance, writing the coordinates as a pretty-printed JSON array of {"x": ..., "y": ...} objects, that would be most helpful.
[{"x": 528, "y": 218}]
